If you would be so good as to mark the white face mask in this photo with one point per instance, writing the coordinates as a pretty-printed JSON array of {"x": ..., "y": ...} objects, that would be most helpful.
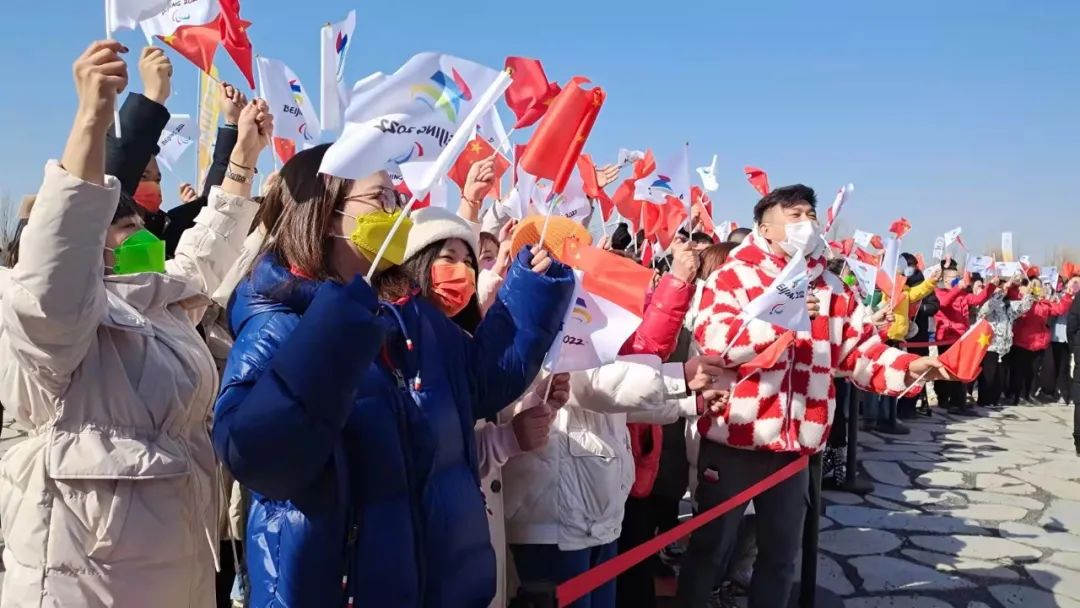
[{"x": 801, "y": 236}]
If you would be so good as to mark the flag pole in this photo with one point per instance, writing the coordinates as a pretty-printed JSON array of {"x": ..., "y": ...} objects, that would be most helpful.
[
  {"x": 116, "y": 108},
  {"x": 550, "y": 204},
  {"x": 912, "y": 385},
  {"x": 738, "y": 334}
]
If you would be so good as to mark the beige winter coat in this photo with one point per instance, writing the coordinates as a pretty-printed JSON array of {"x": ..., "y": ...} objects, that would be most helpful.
[{"x": 112, "y": 500}]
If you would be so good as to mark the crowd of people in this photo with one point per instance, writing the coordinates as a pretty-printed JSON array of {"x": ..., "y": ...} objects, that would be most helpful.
[{"x": 223, "y": 411}]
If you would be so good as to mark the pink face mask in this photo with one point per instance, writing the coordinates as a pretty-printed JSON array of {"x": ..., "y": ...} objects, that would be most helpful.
[{"x": 487, "y": 264}]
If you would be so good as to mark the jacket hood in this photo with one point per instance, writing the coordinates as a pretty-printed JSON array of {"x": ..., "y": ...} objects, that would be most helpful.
[{"x": 269, "y": 287}]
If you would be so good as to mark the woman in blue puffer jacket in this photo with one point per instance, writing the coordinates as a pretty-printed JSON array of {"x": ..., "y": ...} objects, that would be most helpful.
[{"x": 351, "y": 419}]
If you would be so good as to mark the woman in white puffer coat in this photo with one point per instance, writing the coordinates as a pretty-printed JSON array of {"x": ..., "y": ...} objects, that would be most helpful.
[{"x": 111, "y": 500}]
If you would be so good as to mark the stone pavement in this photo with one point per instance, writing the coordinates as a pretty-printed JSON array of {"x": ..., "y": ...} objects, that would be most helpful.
[{"x": 965, "y": 513}]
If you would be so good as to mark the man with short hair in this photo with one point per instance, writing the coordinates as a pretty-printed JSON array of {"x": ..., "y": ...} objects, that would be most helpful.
[
  {"x": 784, "y": 410},
  {"x": 737, "y": 235}
]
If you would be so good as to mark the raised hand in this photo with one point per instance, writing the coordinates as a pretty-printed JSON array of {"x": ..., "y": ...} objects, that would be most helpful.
[
  {"x": 607, "y": 174},
  {"x": 156, "y": 72},
  {"x": 188, "y": 194},
  {"x": 233, "y": 102},
  {"x": 685, "y": 262},
  {"x": 478, "y": 182},
  {"x": 100, "y": 74},
  {"x": 541, "y": 261}
]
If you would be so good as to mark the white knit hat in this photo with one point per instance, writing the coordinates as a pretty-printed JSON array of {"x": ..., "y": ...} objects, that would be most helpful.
[{"x": 433, "y": 224}]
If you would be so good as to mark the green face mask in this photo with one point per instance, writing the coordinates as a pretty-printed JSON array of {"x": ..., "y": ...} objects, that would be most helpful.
[{"x": 140, "y": 252}]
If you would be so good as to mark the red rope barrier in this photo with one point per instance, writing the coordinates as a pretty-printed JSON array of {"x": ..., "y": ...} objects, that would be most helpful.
[{"x": 584, "y": 583}]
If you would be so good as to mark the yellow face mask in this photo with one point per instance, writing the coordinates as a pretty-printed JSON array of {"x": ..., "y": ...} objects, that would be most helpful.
[{"x": 372, "y": 229}]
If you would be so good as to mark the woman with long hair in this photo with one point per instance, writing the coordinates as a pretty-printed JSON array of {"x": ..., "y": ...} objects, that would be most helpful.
[
  {"x": 348, "y": 409},
  {"x": 113, "y": 498}
]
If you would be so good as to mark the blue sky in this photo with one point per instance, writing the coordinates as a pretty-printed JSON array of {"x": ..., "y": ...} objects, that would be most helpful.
[{"x": 962, "y": 112}]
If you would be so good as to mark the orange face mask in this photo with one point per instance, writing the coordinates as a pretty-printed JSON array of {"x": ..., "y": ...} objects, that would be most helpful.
[
  {"x": 148, "y": 195},
  {"x": 452, "y": 286}
]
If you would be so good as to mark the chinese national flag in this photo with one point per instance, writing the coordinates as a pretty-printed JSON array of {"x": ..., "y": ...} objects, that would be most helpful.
[
  {"x": 285, "y": 148},
  {"x": 758, "y": 179},
  {"x": 557, "y": 142},
  {"x": 701, "y": 209},
  {"x": 477, "y": 150},
  {"x": 420, "y": 204},
  {"x": 610, "y": 276},
  {"x": 900, "y": 227},
  {"x": 867, "y": 258},
  {"x": 530, "y": 95},
  {"x": 628, "y": 207},
  {"x": 964, "y": 359},
  {"x": 592, "y": 187},
  {"x": 663, "y": 221},
  {"x": 235, "y": 39},
  {"x": 767, "y": 358},
  {"x": 197, "y": 43}
]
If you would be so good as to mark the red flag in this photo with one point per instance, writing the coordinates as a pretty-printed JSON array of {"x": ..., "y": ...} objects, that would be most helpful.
[
  {"x": 866, "y": 258},
  {"x": 964, "y": 358},
  {"x": 285, "y": 149},
  {"x": 197, "y": 43},
  {"x": 900, "y": 227},
  {"x": 663, "y": 221},
  {"x": 404, "y": 189},
  {"x": 701, "y": 208},
  {"x": 235, "y": 39},
  {"x": 920, "y": 261},
  {"x": 615, "y": 278},
  {"x": 758, "y": 179},
  {"x": 557, "y": 142},
  {"x": 530, "y": 95},
  {"x": 477, "y": 150},
  {"x": 632, "y": 210},
  {"x": 592, "y": 187},
  {"x": 767, "y": 358}
]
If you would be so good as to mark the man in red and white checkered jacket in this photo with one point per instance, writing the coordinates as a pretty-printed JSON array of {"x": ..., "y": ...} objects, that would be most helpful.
[{"x": 784, "y": 409}]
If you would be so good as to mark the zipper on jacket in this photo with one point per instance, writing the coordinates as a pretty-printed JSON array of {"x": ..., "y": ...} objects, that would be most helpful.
[
  {"x": 350, "y": 552},
  {"x": 414, "y": 495}
]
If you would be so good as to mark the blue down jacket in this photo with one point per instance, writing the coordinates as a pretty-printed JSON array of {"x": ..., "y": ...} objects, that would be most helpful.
[{"x": 356, "y": 476}]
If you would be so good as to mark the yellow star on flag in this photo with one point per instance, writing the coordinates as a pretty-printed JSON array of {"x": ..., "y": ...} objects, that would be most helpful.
[
  {"x": 476, "y": 147},
  {"x": 984, "y": 340}
]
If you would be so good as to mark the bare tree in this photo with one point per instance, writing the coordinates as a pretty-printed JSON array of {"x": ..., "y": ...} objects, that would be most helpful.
[{"x": 9, "y": 212}]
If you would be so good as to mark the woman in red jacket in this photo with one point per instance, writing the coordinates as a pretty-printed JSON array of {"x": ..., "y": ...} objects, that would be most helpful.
[
  {"x": 953, "y": 319},
  {"x": 1031, "y": 336}
]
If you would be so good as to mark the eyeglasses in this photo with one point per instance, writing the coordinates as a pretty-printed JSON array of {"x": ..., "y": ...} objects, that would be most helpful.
[{"x": 389, "y": 199}]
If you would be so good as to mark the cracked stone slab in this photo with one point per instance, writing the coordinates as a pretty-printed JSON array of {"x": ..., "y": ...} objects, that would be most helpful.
[
  {"x": 915, "y": 496},
  {"x": 1055, "y": 579},
  {"x": 1038, "y": 537},
  {"x": 1015, "y": 596},
  {"x": 996, "y": 498},
  {"x": 841, "y": 498},
  {"x": 1063, "y": 515},
  {"x": 867, "y": 517},
  {"x": 888, "y": 504},
  {"x": 984, "y": 512},
  {"x": 978, "y": 547},
  {"x": 825, "y": 522},
  {"x": 962, "y": 565},
  {"x": 858, "y": 541},
  {"x": 831, "y": 576},
  {"x": 941, "y": 479},
  {"x": 1058, "y": 487},
  {"x": 896, "y": 601},
  {"x": 1066, "y": 560},
  {"x": 881, "y": 573},
  {"x": 1002, "y": 483},
  {"x": 887, "y": 472},
  {"x": 897, "y": 456},
  {"x": 920, "y": 465}
]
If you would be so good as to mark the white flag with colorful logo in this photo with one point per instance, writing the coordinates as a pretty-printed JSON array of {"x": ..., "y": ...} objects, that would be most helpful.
[
  {"x": 294, "y": 114},
  {"x": 939, "y": 248},
  {"x": 708, "y": 176},
  {"x": 1007, "y": 254},
  {"x": 177, "y": 14},
  {"x": 126, "y": 14},
  {"x": 414, "y": 114},
  {"x": 783, "y": 302},
  {"x": 865, "y": 275},
  {"x": 177, "y": 136},
  {"x": 335, "y": 40},
  {"x": 980, "y": 264},
  {"x": 593, "y": 330},
  {"x": 864, "y": 239},
  {"x": 671, "y": 179},
  {"x": 627, "y": 157},
  {"x": 573, "y": 203},
  {"x": 952, "y": 236}
]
